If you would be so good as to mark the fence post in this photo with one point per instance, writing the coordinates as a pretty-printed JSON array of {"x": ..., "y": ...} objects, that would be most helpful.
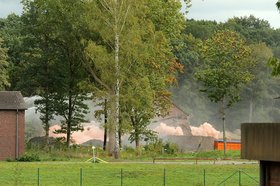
[
  {"x": 164, "y": 179},
  {"x": 81, "y": 177},
  {"x": 239, "y": 177},
  {"x": 38, "y": 177},
  {"x": 121, "y": 177},
  {"x": 204, "y": 177}
]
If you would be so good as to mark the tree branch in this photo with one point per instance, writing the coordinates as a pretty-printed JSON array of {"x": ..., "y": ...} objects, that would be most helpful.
[{"x": 92, "y": 73}]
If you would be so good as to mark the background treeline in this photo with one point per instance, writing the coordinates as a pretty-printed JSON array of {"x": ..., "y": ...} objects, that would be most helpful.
[{"x": 257, "y": 103}]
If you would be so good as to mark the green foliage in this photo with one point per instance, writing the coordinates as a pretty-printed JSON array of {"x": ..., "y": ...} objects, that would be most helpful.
[
  {"x": 55, "y": 55},
  {"x": 10, "y": 32},
  {"x": 171, "y": 148},
  {"x": 256, "y": 99},
  {"x": 60, "y": 152},
  {"x": 45, "y": 106},
  {"x": 29, "y": 157},
  {"x": 218, "y": 154},
  {"x": 154, "y": 147},
  {"x": 201, "y": 29},
  {"x": 274, "y": 63},
  {"x": 4, "y": 76},
  {"x": 133, "y": 53},
  {"x": 255, "y": 30},
  {"x": 226, "y": 67},
  {"x": 74, "y": 104}
]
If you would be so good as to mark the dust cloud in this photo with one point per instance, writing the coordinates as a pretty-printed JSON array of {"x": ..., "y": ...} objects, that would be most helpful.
[
  {"x": 91, "y": 131},
  {"x": 165, "y": 130},
  {"x": 206, "y": 129}
]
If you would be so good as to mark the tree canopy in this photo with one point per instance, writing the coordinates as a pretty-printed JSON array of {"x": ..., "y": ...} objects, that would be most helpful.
[
  {"x": 4, "y": 82},
  {"x": 226, "y": 66}
]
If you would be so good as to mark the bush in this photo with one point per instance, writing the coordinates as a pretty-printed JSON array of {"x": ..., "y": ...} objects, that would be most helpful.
[
  {"x": 171, "y": 148},
  {"x": 9, "y": 160},
  {"x": 154, "y": 147},
  {"x": 128, "y": 149},
  {"x": 29, "y": 157}
]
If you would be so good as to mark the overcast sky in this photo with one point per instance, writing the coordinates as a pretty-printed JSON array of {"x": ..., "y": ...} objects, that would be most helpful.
[
  {"x": 10, "y": 6},
  {"x": 219, "y": 10}
]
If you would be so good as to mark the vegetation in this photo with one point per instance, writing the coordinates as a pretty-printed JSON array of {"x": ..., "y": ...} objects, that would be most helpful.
[
  {"x": 257, "y": 101},
  {"x": 110, "y": 174},
  {"x": 225, "y": 71},
  {"x": 3, "y": 67},
  {"x": 131, "y": 55}
]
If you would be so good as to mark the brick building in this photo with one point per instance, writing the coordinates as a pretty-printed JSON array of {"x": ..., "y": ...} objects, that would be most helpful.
[{"x": 12, "y": 123}]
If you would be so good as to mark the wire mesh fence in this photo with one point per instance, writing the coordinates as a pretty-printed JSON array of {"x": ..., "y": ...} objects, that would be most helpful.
[{"x": 152, "y": 176}]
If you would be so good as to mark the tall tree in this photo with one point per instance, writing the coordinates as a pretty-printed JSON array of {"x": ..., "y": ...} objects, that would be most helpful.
[
  {"x": 10, "y": 32},
  {"x": 226, "y": 69},
  {"x": 115, "y": 16},
  {"x": 59, "y": 46},
  {"x": 135, "y": 39}
]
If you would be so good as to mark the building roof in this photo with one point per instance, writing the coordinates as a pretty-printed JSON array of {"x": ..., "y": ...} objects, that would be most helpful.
[{"x": 11, "y": 100}]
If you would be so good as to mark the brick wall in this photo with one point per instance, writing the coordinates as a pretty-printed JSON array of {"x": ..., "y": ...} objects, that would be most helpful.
[{"x": 8, "y": 134}]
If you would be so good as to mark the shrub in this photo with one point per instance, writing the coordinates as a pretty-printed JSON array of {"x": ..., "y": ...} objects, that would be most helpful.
[
  {"x": 9, "y": 160},
  {"x": 154, "y": 147},
  {"x": 171, "y": 148},
  {"x": 29, "y": 157}
]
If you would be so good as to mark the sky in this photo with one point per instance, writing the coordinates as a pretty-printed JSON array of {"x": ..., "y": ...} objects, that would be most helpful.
[
  {"x": 219, "y": 10},
  {"x": 222, "y": 10},
  {"x": 10, "y": 6}
]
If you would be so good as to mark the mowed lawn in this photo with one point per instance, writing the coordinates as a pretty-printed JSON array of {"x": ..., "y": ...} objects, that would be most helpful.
[{"x": 126, "y": 174}]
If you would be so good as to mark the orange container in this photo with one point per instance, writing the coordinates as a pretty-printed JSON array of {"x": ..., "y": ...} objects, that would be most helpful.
[{"x": 230, "y": 145}]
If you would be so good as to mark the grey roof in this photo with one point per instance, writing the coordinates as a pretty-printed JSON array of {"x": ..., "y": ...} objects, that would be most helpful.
[{"x": 11, "y": 100}]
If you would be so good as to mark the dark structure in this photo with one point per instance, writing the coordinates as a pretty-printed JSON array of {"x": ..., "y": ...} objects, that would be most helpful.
[
  {"x": 12, "y": 123},
  {"x": 261, "y": 141}
]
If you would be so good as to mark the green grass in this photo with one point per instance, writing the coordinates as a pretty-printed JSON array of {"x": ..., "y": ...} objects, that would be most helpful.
[{"x": 142, "y": 174}]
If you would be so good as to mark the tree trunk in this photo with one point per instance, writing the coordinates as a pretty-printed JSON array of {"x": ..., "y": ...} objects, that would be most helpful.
[
  {"x": 117, "y": 96},
  {"x": 68, "y": 134},
  {"x": 137, "y": 140},
  {"x": 105, "y": 125},
  {"x": 120, "y": 132},
  {"x": 137, "y": 144},
  {"x": 111, "y": 136},
  {"x": 47, "y": 125},
  {"x": 47, "y": 95},
  {"x": 69, "y": 120},
  {"x": 117, "y": 75},
  {"x": 224, "y": 126}
]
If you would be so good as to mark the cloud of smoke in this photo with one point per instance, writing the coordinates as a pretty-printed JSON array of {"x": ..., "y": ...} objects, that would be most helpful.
[
  {"x": 206, "y": 129},
  {"x": 91, "y": 131},
  {"x": 232, "y": 135},
  {"x": 165, "y": 130}
]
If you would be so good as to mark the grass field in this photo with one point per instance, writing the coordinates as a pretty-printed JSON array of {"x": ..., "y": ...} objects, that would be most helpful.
[{"x": 126, "y": 174}]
